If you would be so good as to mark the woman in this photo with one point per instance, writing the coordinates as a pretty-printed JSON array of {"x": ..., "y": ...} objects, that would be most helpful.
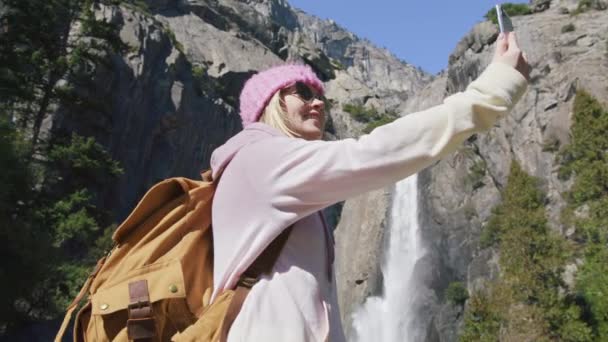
[{"x": 277, "y": 173}]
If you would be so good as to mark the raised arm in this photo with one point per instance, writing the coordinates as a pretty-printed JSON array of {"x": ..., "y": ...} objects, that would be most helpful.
[{"x": 304, "y": 176}]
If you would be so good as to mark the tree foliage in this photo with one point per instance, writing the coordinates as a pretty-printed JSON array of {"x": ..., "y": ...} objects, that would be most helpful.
[
  {"x": 52, "y": 222},
  {"x": 586, "y": 160},
  {"x": 527, "y": 301},
  {"x": 457, "y": 293},
  {"x": 369, "y": 116},
  {"x": 532, "y": 258}
]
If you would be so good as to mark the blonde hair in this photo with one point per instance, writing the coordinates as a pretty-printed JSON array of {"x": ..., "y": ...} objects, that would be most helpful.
[{"x": 275, "y": 116}]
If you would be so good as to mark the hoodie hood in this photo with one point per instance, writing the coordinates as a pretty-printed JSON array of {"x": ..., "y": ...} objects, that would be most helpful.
[{"x": 221, "y": 156}]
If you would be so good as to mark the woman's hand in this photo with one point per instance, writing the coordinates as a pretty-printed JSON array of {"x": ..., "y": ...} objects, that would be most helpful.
[{"x": 508, "y": 52}]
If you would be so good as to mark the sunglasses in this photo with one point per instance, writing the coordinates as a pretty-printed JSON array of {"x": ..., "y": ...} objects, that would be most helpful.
[{"x": 306, "y": 94}]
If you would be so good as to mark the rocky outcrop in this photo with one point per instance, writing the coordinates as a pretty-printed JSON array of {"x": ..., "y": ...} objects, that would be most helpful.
[
  {"x": 455, "y": 206},
  {"x": 173, "y": 96},
  {"x": 362, "y": 226},
  {"x": 154, "y": 116},
  {"x": 365, "y": 75}
]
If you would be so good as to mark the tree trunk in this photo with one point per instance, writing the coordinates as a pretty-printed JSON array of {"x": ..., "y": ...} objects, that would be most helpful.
[{"x": 42, "y": 110}]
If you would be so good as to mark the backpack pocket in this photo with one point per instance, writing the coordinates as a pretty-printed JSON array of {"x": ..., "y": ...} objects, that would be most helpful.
[{"x": 167, "y": 299}]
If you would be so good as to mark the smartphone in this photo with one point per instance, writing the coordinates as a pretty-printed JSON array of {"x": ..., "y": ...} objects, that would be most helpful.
[{"x": 504, "y": 22}]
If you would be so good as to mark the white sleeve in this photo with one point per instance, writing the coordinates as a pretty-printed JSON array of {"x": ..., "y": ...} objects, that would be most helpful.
[{"x": 299, "y": 176}]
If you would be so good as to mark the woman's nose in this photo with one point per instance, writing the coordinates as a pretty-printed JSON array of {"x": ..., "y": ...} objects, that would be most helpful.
[{"x": 316, "y": 103}]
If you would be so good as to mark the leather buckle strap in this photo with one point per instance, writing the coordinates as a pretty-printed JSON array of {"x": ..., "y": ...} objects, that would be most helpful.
[
  {"x": 140, "y": 309},
  {"x": 247, "y": 282},
  {"x": 141, "y": 324},
  {"x": 141, "y": 329}
]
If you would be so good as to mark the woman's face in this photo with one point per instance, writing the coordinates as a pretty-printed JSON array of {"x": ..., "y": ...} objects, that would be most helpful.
[{"x": 305, "y": 111}]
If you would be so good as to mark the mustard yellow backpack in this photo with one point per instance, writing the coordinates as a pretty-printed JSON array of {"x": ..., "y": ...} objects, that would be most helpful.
[{"x": 156, "y": 283}]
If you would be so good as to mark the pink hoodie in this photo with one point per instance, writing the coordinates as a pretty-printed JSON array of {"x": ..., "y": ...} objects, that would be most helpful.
[{"x": 272, "y": 181}]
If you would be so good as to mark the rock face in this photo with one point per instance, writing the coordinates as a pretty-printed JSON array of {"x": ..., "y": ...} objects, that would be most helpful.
[
  {"x": 173, "y": 98},
  {"x": 362, "y": 226},
  {"x": 157, "y": 118},
  {"x": 456, "y": 209}
]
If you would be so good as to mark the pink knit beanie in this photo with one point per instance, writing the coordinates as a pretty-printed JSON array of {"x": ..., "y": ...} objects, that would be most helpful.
[{"x": 261, "y": 87}]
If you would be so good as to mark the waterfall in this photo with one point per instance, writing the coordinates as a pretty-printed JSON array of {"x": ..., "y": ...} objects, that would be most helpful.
[{"x": 391, "y": 318}]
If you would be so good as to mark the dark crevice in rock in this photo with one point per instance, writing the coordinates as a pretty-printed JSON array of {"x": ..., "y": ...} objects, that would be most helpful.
[
  {"x": 230, "y": 86},
  {"x": 495, "y": 181},
  {"x": 210, "y": 16},
  {"x": 540, "y": 5},
  {"x": 571, "y": 90},
  {"x": 459, "y": 77}
]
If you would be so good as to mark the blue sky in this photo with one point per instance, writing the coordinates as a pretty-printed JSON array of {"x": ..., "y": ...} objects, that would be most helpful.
[{"x": 420, "y": 32}]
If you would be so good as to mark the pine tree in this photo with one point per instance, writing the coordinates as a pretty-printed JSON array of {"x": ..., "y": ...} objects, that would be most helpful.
[{"x": 51, "y": 228}]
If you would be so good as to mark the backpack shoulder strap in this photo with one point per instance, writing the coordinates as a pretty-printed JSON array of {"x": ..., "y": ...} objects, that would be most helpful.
[{"x": 262, "y": 265}]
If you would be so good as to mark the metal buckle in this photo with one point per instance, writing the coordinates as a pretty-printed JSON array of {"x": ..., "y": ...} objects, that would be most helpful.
[
  {"x": 139, "y": 304},
  {"x": 247, "y": 282}
]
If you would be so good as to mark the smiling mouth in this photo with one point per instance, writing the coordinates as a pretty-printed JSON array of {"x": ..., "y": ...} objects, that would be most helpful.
[{"x": 314, "y": 114}]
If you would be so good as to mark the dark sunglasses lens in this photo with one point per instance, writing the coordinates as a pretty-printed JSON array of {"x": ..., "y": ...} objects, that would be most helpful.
[{"x": 304, "y": 91}]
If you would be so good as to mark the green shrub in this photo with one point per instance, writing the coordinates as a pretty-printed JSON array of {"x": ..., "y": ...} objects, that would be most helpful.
[
  {"x": 490, "y": 236},
  {"x": 369, "y": 116},
  {"x": 469, "y": 210},
  {"x": 476, "y": 173},
  {"x": 586, "y": 154},
  {"x": 337, "y": 65},
  {"x": 592, "y": 282},
  {"x": 586, "y": 5},
  {"x": 360, "y": 113},
  {"x": 511, "y": 9},
  {"x": 551, "y": 145},
  {"x": 482, "y": 320},
  {"x": 378, "y": 121},
  {"x": 137, "y": 5},
  {"x": 177, "y": 44},
  {"x": 457, "y": 293},
  {"x": 198, "y": 71},
  {"x": 568, "y": 28}
]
